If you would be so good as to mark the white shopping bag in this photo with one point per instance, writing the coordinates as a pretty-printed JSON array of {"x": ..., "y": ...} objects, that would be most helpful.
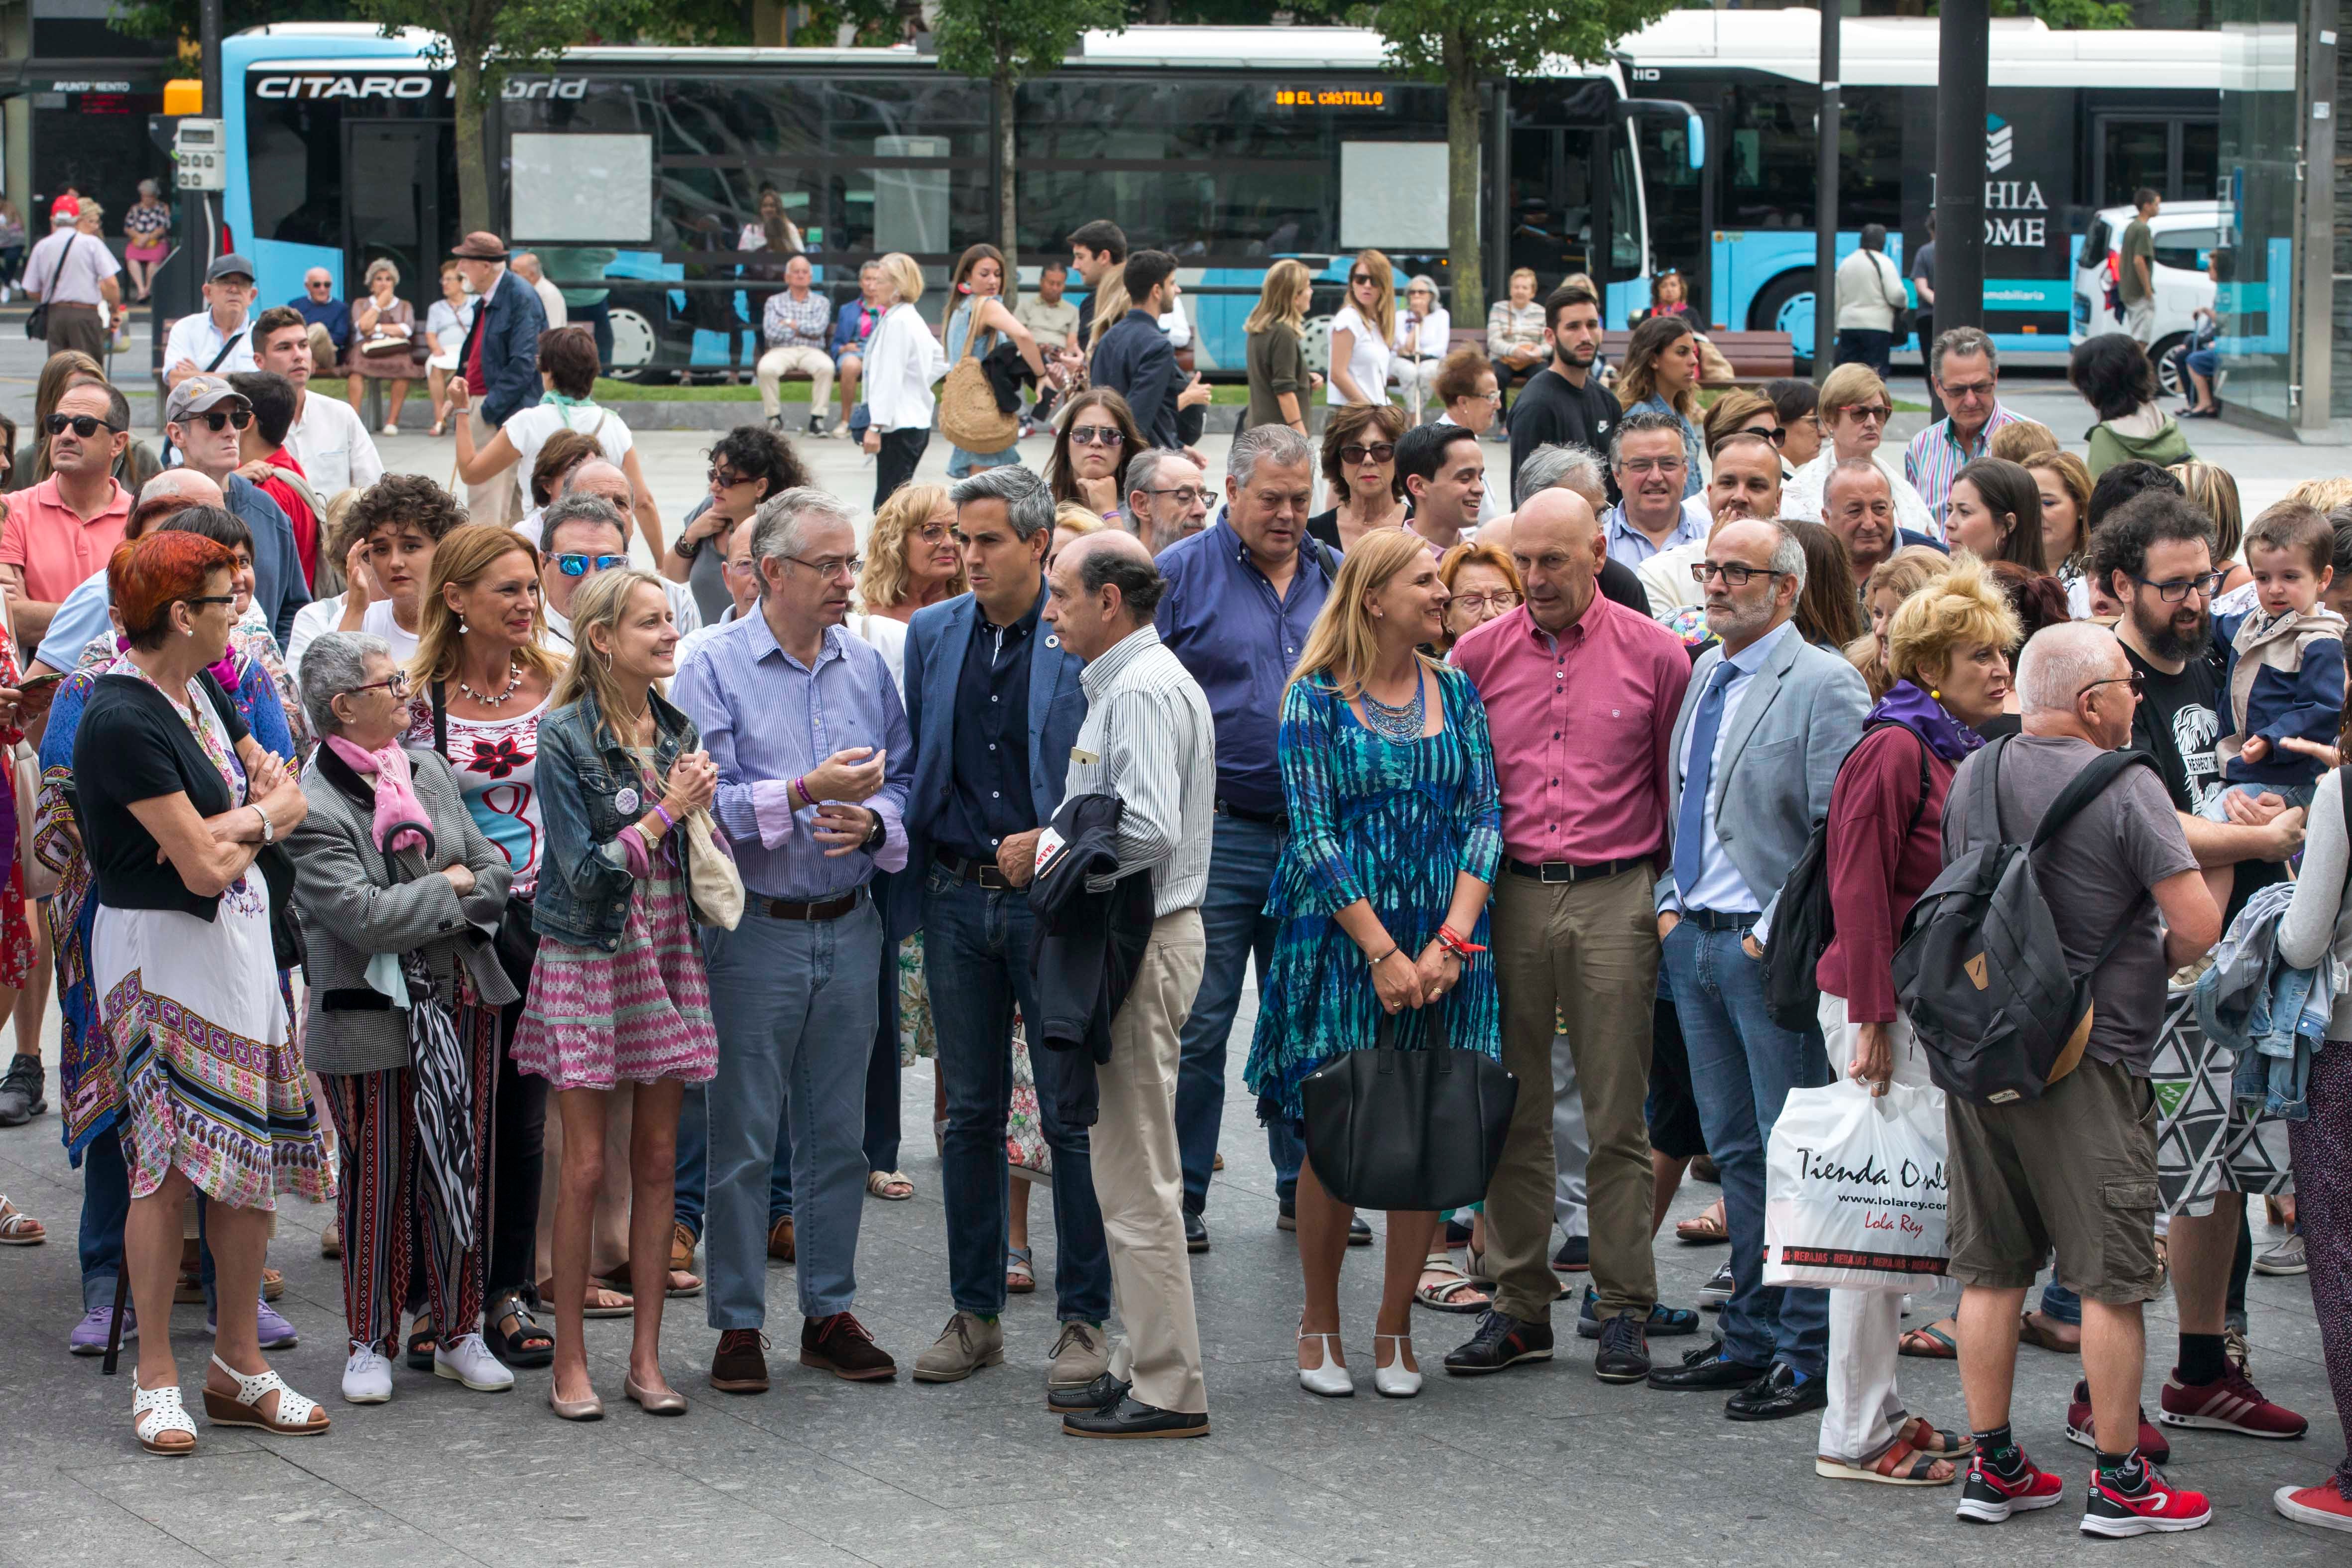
[{"x": 1854, "y": 1193}]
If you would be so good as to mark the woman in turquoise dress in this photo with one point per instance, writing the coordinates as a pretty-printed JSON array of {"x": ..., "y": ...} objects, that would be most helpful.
[{"x": 1396, "y": 833}]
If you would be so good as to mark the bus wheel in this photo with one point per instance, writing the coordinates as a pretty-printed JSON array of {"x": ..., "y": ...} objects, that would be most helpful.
[
  {"x": 633, "y": 343},
  {"x": 1786, "y": 305}
]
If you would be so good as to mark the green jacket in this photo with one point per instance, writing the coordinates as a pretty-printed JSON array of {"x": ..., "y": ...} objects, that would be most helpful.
[{"x": 2110, "y": 447}]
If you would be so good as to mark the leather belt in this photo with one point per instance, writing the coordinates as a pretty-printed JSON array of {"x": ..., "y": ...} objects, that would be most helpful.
[
  {"x": 1243, "y": 814},
  {"x": 1722, "y": 920},
  {"x": 1567, "y": 871},
  {"x": 987, "y": 873},
  {"x": 829, "y": 909}
]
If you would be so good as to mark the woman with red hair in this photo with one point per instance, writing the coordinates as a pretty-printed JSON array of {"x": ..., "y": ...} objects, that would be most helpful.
[{"x": 177, "y": 800}]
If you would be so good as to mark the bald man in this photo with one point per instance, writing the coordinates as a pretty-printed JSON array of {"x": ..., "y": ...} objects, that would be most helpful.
[
  {"x": 1582, "y": 695},
  {"x": 82, "y": 614}
]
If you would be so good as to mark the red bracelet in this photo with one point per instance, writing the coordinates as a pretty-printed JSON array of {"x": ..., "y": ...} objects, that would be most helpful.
[{"x": 1455, "y": 943}]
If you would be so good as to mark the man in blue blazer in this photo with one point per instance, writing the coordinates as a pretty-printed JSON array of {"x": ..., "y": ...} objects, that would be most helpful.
[
  {"x": 994, "y": 703},
  {"x": 499, "y": 363}
]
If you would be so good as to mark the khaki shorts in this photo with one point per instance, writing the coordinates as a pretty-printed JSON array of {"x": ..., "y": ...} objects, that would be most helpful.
[{"x": 2075, "y": 1170}]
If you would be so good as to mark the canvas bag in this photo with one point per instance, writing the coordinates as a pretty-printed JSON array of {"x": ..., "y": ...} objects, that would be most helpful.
[{"x": 968, "y": 416}]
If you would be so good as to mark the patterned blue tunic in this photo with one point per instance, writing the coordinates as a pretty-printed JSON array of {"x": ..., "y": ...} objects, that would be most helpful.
[{"x": 1385, "y": 821}]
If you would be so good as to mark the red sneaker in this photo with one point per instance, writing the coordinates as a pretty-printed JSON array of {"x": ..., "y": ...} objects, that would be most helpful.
[
  {"x": 2227, "y": 1404},
  {"x": 1989, "y": 1500},
  {"x": 2321, "y": 1505},
  {"x": 2160, "y": 1506},
  {"x": 2153, "y": 1445}
]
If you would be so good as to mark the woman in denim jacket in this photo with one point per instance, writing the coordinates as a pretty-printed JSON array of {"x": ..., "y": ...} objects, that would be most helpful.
[{"x": 618, "y": 993}]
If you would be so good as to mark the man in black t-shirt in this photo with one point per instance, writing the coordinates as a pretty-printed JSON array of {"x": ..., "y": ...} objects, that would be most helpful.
[{"x": 1564, "y": 403}]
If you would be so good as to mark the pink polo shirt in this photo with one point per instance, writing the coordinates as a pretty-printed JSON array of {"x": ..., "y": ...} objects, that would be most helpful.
[
  {"x": 1581, "y": 730},
  {"x": 58, "y": 548}
]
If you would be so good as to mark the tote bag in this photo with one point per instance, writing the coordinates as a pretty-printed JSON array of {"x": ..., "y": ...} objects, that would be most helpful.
[
  {"x": 1856, "y": 1197},
  {"x": 1408, "y": 1129}
]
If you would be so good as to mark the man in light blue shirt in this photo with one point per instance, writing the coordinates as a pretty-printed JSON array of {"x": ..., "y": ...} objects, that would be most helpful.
[{"x": 1647, "y": 458}]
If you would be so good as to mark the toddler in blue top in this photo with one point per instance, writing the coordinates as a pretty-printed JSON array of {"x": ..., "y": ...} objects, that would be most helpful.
[{"x": 2283, "y": 674}]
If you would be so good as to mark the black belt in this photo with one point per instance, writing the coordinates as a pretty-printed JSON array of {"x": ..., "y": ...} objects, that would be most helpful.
[
  {"x": 1243, "y": 814},
  {"x": 829, "y": 909},
  {"x": 1567, "y": 871},
  {"x": 1722, "y": 920},
  {"x": 987, "y": 873}
]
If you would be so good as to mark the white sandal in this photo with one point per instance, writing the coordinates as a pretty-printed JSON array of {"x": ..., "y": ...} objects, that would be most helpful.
[
  {"x": 243, "y": 1409},
  {"x": 18, "y": 1229},
  {"x": 879, "y": 1184},
  {"x": 154, "y": 1412}
]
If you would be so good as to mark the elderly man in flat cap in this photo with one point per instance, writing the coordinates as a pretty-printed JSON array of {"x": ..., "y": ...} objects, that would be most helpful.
[{"x": 499, "y": 363}]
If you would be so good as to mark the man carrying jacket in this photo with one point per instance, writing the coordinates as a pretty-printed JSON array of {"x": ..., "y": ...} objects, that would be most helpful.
[{"x": 500, "y": 361}]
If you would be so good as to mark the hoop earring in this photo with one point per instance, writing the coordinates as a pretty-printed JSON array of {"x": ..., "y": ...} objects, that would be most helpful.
[{"x": 606, "y": 656}]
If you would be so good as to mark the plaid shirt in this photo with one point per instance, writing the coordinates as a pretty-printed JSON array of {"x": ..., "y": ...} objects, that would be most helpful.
[
  {"x": 1936, "y": 457},
  {"x": 788, "y": 323}
]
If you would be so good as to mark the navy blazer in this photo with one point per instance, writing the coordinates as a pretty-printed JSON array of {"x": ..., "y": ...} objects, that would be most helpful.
[
  {"x": 510, "y": 357},
  {"x": 1136, "y": 361},
  {"x": 936, "y": 639}
]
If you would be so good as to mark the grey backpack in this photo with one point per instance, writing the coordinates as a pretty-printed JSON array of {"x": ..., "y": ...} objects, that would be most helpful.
[{"x": 1980, "y": 970}]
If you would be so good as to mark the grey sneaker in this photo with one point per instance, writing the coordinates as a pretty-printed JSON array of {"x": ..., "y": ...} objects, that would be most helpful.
[
  {"x": 2287, "y": 1257},
  {"x": 963, "y": 1347},
  {"x": 1081, "y": 1355},
  {"x": 22, "y": 1096}
]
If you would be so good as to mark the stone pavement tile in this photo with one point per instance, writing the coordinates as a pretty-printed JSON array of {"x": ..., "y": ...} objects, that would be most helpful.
[
  {"x": 262, "y": 1506},
  {"x": 718, "y": 1445},
  {"x": 1140, "y": 1524},
  {"x": 55, "y": 1522}
]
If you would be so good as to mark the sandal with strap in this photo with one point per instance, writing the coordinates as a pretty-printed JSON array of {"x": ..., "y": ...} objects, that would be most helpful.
[
  {"x": 243, "y": 1409},
  {"x": 422, "y": 1340},
  {"x": 1935, "y": 1441},
  {"x": 1707, "y": 1229},
  {"x": 1930, "y": 1343},
  {"x": 891, "y": 1186},
  {"x": 1020, "y": 1272},
  {"x": 1452, "y": 1287},
  {"x": 1900, "y": 1466},
  {"x": 528, "y": 1345},
  {"x": 154, "y": 1412},
  {"x": 18, "y": 1229}
]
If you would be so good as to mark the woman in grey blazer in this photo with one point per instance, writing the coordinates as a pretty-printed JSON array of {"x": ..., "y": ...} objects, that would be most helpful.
[{"x": 398, "y": 890}]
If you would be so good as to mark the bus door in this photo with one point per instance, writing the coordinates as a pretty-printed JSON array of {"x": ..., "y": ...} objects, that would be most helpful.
[
  {"x": 400, "y": 190},
  {"x": 1572, "y": 198}
]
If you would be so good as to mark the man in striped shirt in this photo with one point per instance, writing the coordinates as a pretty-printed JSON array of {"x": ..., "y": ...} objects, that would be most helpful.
[
  {"x": 1148, "y": 739},
  {"x": 1967, "y": 373}
]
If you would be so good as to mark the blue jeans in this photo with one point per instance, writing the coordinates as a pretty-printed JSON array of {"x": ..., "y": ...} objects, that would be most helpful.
[
  {"x": 976, "y": 954},
  {"x": 105, "y": 1210},
  {"x": 794, "y": 1002},
  {"x": 1242, "y": 856},
  {"x": 1742, "y": 1066}
]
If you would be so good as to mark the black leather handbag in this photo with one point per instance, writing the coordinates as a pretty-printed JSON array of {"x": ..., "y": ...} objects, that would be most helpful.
[{"x": 1408, "y": 1129}]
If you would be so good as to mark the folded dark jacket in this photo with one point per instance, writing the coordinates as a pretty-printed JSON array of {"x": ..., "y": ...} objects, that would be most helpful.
[
  {"x": 1007, "y": 373},
  {"x": 1088, "y": 944}
]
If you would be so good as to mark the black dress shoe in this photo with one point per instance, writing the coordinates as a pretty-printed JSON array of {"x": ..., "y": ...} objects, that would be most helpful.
[
  {"x": 1133, "y": 1418},
  {"x": 1359, "y": 1233},
  {"x": 1100, "y": 1395},
  {"x": 1779, "y": 1392},
  {"x": 1501, "y": 1341},
  {"x": 1706, "y": 1368},
  {"x": 1575, "y": 1254},
  {"x": 1196, "y": 1233}
]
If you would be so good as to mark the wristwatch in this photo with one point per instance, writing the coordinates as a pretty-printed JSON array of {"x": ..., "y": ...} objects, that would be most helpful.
[
  {"x": 878, "y": 835},
  {"x": 269, "y": 828}
]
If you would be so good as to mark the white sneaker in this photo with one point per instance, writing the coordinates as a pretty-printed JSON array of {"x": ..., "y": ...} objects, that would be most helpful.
[
  {"x": 367, "y": 1377},
  {"x": 469, "y": 1361}
]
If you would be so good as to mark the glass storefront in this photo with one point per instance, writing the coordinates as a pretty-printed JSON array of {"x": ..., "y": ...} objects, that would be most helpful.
[{"x": 2261, "y": 143}]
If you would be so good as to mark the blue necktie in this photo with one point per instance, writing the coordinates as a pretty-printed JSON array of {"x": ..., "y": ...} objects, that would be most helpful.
[{"x": 1698, "y": 754}]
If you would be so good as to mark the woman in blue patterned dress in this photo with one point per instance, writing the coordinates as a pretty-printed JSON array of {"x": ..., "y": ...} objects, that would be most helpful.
[{"x": 1381, "y": 892}]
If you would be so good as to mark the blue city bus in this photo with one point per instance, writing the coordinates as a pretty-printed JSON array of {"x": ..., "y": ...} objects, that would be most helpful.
[
  {"x": 633, "y": 172},
  {"x": 2077, "y": 121}
]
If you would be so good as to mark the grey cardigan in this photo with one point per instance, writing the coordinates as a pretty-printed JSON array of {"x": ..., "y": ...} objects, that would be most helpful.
[{"x": 352, "y": 908}]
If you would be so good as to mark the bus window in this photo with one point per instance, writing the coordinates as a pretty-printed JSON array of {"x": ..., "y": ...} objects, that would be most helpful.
[
  {"x": 2201, "y": 160},
  {"x": 2186, "y": 247},
  {"x": 1552, "y": 199},
  {"x": 2134, "y": 154},
  {"x": 1625, "y": 226}
]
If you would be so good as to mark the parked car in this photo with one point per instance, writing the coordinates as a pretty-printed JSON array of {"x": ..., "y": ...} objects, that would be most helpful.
[{"x": 2186, "y": 235}]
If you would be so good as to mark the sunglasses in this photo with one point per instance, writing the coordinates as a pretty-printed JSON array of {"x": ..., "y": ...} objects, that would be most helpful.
[
  {"x": 1871, "y": 411},
  {"x": 1778, "y": 436},
  {"x": 1360, "y": 278},
  {"x": 572, "y": 564},
  {"x": 1378, "y": 452},
  {"x": 1096, "y": 436},
  {"x": 215, "y": 419},
  {"x": 727, "y": 479},
  {"x": 2136, "y": 681},
  {"x": 82, "y": 425}
]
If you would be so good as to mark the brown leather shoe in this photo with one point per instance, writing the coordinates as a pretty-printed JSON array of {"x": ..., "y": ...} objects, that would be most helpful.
[
  {"x": 780, "y": 1240},
  {"x": 840, "y": 1346},
  {"x": 740, "y": 1365},
  {"x": 681, "y": 1249}
]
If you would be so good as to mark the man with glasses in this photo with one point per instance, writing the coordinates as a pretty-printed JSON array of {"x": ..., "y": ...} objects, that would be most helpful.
[
  {"x": 1564, "y": 403},
  {"x": 216, "y": 340},
  {"x": 205, "y": 418},
  {"x": 1167, "y": 498},
  {"x": 60, "y": 530},
  {"x": 2075, "y": 1169},
  {"x": 318, "y": 308},
  {"x": 1650, "y": 464},
  {"x": 604, "y": 479},
  {"x": 1966, "y": 371},
  {"x": 1768, "y": 719},
  {"x": 814, "y": 757}
]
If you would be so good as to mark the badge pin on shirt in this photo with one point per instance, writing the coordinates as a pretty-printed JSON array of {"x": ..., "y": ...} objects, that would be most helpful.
[{"x": 626, "y": 802}]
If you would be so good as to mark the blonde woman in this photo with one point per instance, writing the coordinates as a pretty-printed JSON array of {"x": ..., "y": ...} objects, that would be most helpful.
[
  {"x": 1072, "y": 522},
  {"x": 910, "y": 554},
  {"x": 618, "y": 993},
  {"x": 1361, "y": 331},
  {"x": 1890, "y": 582},
  {"x": 1279, "y": 380},
  {"x": 1515, "y": 330},
  {"x": 1389, "y": 775},
  {"x": 903, "y": 362},
  {"x": 1854, "y": 407},
  {"x": 2215, "y": 490}
]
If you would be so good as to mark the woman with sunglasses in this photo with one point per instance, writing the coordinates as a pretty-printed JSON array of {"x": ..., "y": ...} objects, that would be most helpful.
[
  {"x": 1855, "y": 408},
  {"x": 748, "y": 465},
  {"x": 1361, "y": 472},
  {"x": 390, "y": 864},
  {"x": 1093, "y": 444},
  {"x": 1747, "y": 412},
  {"x": 1360, "y": 332},
  {"x": 1660, "y": 376}
]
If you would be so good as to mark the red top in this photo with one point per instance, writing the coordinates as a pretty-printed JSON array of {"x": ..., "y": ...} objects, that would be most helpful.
[
  {"x": 298, "y": 512},
  {"x": 1581, "y": 731},
  {"x": 1876, "y": 869},
  {"x": 476, "y": 381}
]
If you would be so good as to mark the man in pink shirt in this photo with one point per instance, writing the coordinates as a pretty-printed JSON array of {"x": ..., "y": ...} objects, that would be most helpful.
[
  {"x": 1582, "y": 694},
  {"x": 65, "y": 528}
]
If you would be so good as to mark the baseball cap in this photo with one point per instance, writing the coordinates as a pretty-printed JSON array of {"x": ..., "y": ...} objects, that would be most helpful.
[
  {"x": 196, "y": 394},
  {"x": 230, "y": 266},
  {"x": 65, "y": 207}
]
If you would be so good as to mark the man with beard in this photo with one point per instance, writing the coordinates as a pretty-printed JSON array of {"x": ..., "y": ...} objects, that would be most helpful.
[
  {"x": 1565, "y": 402},
  {"x": 1858, "y": 505},
  {"x": 2154, "y": 555},
  {"x": 1764, "y": 725}
]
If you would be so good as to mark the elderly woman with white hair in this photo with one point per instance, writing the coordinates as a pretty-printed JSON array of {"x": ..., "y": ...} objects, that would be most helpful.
[
  {"x": 397, "y": 889},
  {"x": 1423, "y": 331},
  {"x": 383, "y": 335}
]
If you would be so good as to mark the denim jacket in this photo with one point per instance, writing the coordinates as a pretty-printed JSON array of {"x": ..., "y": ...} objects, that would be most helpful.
[{"x": 585, "y": 884}]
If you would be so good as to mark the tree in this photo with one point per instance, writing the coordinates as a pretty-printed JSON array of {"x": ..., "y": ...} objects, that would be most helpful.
[
  {"x": 1006, "y": 42},
  {"x": 1463, "y": 43}
]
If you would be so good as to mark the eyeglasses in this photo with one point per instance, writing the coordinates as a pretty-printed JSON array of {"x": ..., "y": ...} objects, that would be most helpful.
[
  {"x": 2136, "y": 679},
  {"x": 210, "y": 599},
  {"x": 1096, "y": 436},
  {"x": 1186, "y": 494},
  {"x": 1736, "y": 575},
  {"x": 1967, "y": 392},
  {"x": 1493, "y": 396},
  {"x": 1500, "y": 600},
  {"x": 396, "y": 683},
  {"x": 214, "y": 419},
  {"x": 573, "y": 563},
  {"x": 1377, "y": 452},
  {"x": 1778, "y": 436},
  {"x": 727, "y": 479},
  {"x": 83, "y": 424},
  {"x": 1654, "y": 465},
  {"x": 1875, "y": 412},
  {"x": 833, "y": 568},
  {"x": 2176, "y": 592},
  {"x": 932, "y": 532}
]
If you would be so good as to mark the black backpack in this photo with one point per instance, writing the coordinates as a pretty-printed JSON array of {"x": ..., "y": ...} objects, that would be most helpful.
[
  {"x": 1802, "y": 920},
  {"x": 1981, "y": 973}
]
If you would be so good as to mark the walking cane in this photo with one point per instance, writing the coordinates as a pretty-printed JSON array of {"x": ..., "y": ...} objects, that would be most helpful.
[{"x": 114, "y": 1330}]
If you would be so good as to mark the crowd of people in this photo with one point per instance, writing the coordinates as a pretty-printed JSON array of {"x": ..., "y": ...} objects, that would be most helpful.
[{"x": 373, "y": 821}]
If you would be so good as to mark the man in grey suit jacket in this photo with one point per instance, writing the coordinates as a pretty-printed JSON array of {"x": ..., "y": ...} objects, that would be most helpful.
[
  {"x": 994, "y": 702},
  {"x": 1766, "y": 723}
]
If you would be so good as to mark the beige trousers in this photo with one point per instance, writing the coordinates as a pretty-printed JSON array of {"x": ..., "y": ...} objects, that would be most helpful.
[
  {"x": 1138, "y": 1178},
  {"x": 801, "y": 360},
  {"x": 497, "y": 500}
]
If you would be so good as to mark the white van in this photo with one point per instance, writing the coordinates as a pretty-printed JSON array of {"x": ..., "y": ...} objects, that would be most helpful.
[{"x": 2186, "y": 234}]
